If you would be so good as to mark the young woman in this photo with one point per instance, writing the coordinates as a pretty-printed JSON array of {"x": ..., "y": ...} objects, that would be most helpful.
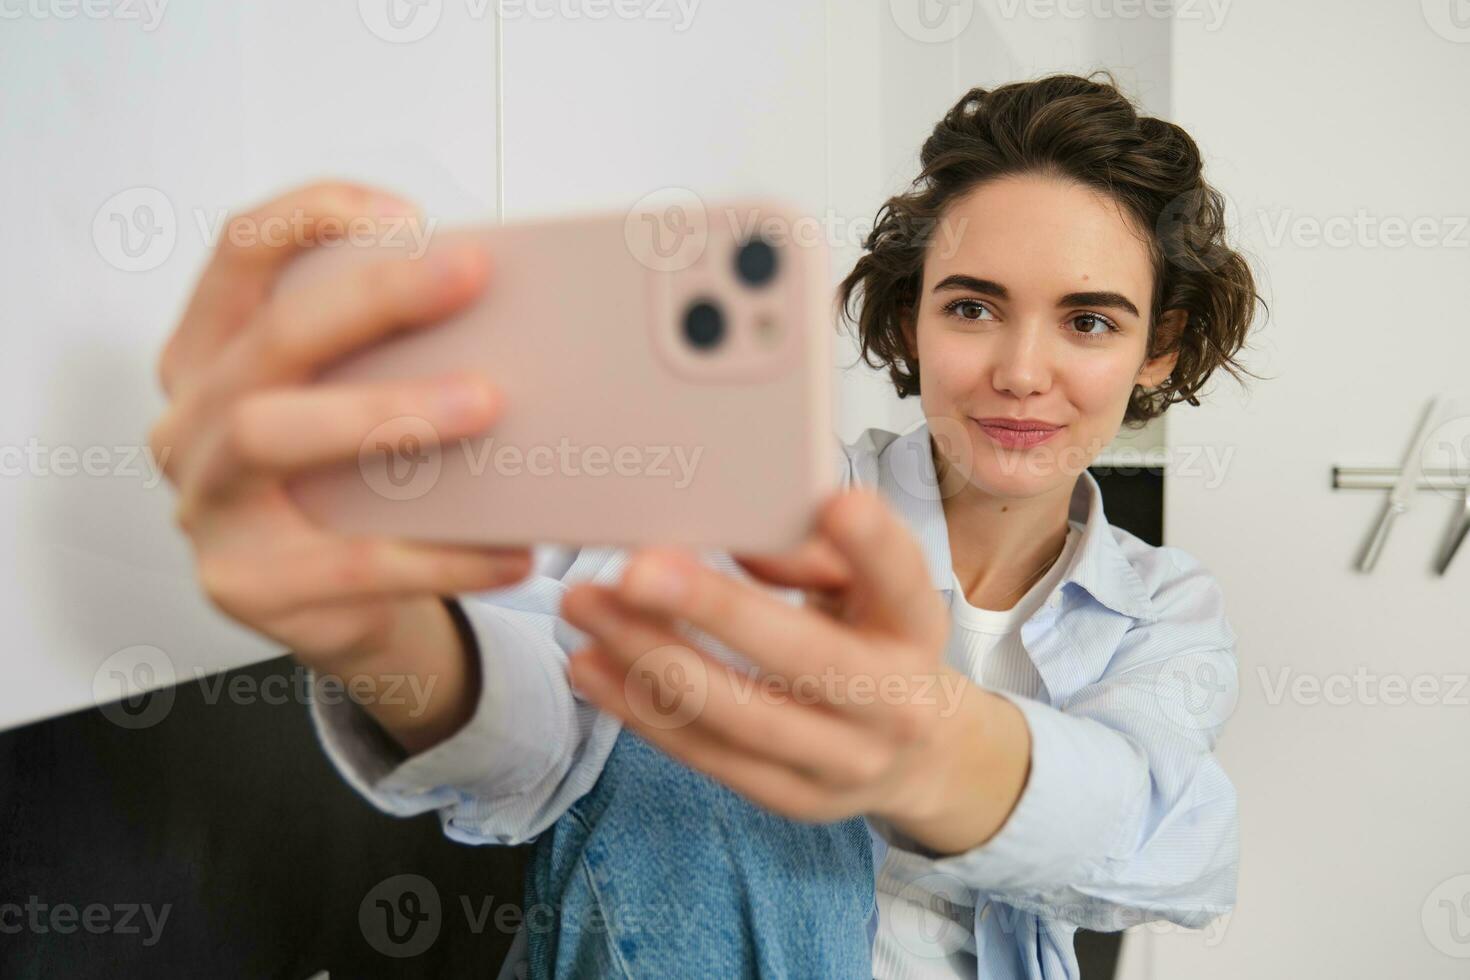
[{"x": 968, "y": 687}]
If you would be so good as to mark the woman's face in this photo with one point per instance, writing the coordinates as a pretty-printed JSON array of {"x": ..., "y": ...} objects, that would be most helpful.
[{"x": 1034, "y": 306}]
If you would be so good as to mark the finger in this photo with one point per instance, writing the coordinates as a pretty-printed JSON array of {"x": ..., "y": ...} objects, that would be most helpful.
[
  {"x": 278, "y": 432},
  {"x": 304, "y": 330},
  {"x": 777, "y": 636},
  {"x": 775, "y": 719},
  {"x": 813, "y": 564},
  {"x": 322, "y": 321},
  {"x": 254, "y": 586},
  {"x": 828, "y": 603},
  {"x": 766, "y": 784},
  {"x": 325, "y": 630},
  {"x": 889, "y": 569},
  {"x": 251, "y": 253}
]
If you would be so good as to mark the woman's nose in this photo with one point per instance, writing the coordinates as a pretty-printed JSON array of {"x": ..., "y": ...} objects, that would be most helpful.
[{"x": 1021, "y": 367}]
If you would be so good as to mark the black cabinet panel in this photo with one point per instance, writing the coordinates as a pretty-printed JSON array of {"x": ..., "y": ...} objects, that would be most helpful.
[{"x": 220, "y": 842}]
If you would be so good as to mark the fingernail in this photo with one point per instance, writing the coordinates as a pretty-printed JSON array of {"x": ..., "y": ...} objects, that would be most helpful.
[
  {"x": 462, "y": 399},
  {"x": 655, "y": 582},
  {"x": 453, "y": 264}
]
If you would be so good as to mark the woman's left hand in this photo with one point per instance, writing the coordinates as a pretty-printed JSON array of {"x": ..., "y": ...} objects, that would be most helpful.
[{"x": 851, "y": 710}]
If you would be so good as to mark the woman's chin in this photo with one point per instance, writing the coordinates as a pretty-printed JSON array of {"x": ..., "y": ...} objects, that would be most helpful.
[{"x": 1031, "y": 473}]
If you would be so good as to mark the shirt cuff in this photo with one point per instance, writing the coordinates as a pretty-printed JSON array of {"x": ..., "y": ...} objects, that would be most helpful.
[
  {"x": 1087, "y": 784},
  {"x": 499, "y": 749}
]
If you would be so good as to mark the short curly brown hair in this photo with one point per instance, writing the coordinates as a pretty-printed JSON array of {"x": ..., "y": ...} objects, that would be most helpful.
[{"x": 1089, "y": 132}]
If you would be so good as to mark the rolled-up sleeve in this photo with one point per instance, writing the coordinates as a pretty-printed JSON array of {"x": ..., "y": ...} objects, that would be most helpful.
[
  {"x": 1126, "y": 815},
  {"x": 532, "y": 746}
]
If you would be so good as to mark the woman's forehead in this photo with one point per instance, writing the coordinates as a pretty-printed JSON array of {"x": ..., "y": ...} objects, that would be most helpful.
[{"x": 1041, "y": 235}]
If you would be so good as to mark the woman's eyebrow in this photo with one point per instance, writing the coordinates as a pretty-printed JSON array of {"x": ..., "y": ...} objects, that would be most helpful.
[
  {"x": 1115, "y": 300},
  {"x": 960, "y": 281},
  {"x": 990, "y": 287}
]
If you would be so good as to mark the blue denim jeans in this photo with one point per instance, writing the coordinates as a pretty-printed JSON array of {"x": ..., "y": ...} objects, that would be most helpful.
[{"x": 659, "y": 871}]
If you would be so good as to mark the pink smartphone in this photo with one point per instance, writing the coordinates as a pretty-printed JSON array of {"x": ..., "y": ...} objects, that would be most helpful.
[{"x": 667, "y": 375}]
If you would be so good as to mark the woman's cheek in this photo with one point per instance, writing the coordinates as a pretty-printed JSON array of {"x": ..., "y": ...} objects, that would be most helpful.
[
  {"x": 952, "y": 369},
  {"x": 1099, "y": 395}
]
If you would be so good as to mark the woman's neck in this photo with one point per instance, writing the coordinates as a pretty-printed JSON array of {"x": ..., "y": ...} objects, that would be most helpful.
[{"x": 1000, "y": 546}]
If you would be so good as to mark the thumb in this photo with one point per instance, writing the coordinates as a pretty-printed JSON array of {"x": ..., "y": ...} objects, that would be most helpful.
[
  {"x": 890, "y": 575},
  {"x": 813, "y": 564}
]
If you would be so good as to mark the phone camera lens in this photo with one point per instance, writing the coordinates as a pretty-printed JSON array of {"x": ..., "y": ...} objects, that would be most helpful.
[
  {"x": 704, "y": 325},
  {"x": 755, "y": 262}
]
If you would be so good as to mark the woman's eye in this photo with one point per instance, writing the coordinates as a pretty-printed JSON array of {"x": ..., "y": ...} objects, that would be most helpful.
[
  {"x": 968, "y": 309},
  {"x": 1086, "y": 320}
]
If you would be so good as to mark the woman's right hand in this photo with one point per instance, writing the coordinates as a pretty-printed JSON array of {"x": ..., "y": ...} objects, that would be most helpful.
[{"x": 244, "y": 415}]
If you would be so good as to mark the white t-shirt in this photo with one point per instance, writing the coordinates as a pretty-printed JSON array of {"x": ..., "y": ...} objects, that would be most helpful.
[{"x": 925, "y": 924}]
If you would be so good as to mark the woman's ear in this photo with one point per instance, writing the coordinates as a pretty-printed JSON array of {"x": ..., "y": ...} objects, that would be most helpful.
[
  {"x": 1156, "y": 369},
  {"x": 908, "y": 326}
]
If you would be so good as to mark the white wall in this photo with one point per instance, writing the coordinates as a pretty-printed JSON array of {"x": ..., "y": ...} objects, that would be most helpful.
[
  {"x": 207, "y": 109},
  {"x": 1321, "y": 119}
]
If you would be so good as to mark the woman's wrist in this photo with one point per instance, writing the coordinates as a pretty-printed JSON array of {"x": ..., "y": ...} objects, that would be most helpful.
[
  {"x": 422, "y": 684},
  {"x": 965, "y": 788}
]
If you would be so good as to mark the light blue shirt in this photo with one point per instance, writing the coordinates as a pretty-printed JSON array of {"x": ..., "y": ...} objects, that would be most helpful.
[{"x": 1126, "y": 816}]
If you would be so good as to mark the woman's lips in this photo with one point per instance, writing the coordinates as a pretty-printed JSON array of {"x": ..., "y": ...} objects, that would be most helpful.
[{"x": 1017, "y": 438}]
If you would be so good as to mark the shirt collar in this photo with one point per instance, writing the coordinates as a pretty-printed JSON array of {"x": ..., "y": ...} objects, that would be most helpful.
[{"x": 907, "y": 478}]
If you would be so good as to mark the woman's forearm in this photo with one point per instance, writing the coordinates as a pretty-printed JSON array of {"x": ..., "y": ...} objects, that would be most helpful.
[{"x": 971, "y": 782}]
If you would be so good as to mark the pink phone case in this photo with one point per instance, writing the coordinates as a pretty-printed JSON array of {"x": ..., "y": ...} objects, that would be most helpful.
[{"x": 624, "y": 424}]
